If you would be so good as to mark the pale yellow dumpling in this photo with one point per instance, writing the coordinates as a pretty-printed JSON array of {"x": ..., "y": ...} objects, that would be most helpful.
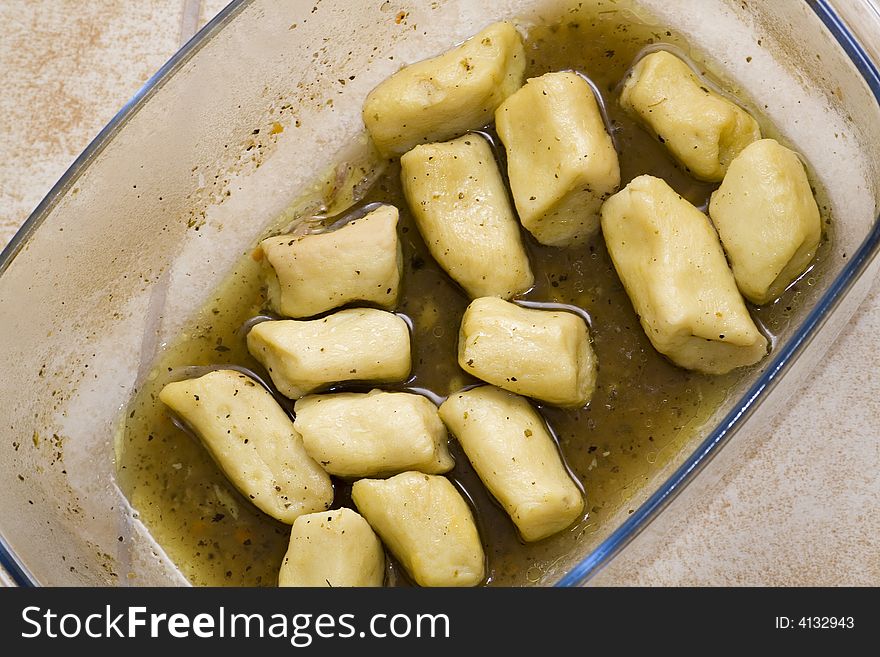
[
  {"x": 673, "y": 268},
  {"x": 702, "y": 129},
  {"x": 561, "y": 161},
  {"x": 446, "y": 96},
  {"x": 508, "y": 445},
  {"x": 767, "y": 219},
  {"x": 253, "y": 441}
]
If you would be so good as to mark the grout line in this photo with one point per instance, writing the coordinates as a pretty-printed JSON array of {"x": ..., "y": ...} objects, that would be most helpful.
[{"x": 190, "y": 17}]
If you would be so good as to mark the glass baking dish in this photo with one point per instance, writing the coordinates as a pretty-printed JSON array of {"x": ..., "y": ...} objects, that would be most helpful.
[{"x": 150, "y": 217}]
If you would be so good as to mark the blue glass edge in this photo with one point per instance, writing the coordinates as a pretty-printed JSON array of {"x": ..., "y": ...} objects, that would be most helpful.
[
  {"x": 8, "y": 560},
  {"x": 16, "y": 570},
  {"x": 640, "y": 519}
]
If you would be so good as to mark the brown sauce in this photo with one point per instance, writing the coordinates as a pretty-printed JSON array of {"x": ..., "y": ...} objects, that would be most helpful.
[{"x": 644, "y": 409}]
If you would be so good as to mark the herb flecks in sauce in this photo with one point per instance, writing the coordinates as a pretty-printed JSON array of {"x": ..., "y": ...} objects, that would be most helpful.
[{"x": 644, "y": 409}]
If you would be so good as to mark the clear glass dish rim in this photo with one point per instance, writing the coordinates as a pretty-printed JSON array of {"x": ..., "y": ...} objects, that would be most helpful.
[{"x": 700, "y": 457}]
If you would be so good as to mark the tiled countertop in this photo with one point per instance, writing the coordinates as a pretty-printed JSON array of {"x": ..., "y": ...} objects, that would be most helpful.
[{"x": 800, "y": 510}]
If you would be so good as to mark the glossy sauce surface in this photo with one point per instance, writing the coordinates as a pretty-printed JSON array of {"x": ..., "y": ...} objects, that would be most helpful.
[{"x": 644, "y": 409}]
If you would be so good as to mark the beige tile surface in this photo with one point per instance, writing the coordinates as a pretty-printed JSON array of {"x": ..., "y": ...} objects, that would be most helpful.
[
  {"x": 801, "y": 510},
  {"x": 67, "y": 67}
]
